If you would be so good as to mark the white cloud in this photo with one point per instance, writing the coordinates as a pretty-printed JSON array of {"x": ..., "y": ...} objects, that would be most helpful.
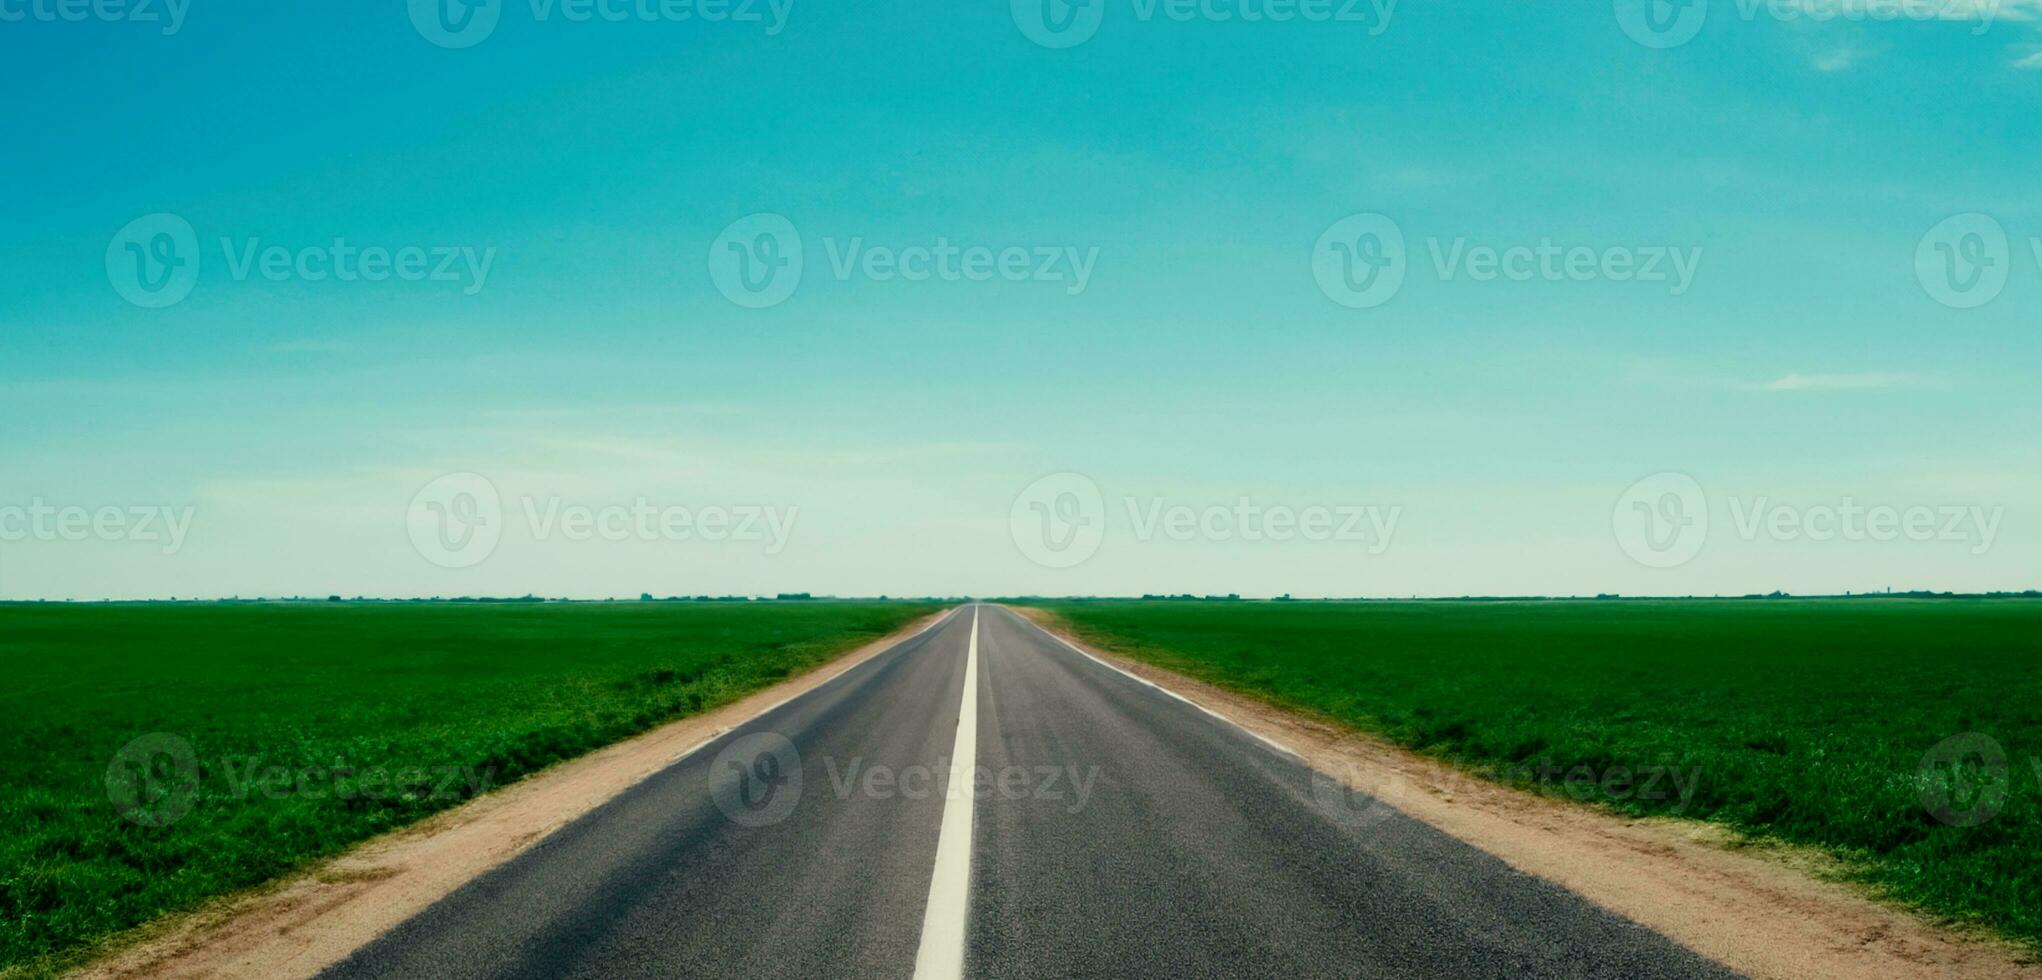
[
  {"x": 2033, "y": 62},
  {"x": 310, "y": 345},
  {"x": 1862, "y": 381},
  {"x": 1842, "y": 59},
  {"x": 1981, "y": 10}
]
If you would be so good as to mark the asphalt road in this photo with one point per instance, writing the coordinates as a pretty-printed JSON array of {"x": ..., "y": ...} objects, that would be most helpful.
[{"x": 1096, "y": 827}]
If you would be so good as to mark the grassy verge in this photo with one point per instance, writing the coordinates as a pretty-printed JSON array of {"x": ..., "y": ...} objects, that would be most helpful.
[
  {"x": 274, "y": 735},
  {"x": 1864, "y": 727}
]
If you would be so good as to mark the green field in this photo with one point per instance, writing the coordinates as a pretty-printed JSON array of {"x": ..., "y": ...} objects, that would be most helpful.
[
  {"x": 1801, "y": 720},
  {"x": 314, "y": 726}
]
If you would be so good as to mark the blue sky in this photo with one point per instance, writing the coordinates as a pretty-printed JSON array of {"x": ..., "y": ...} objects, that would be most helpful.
[{"x": 1802, "y": 154}]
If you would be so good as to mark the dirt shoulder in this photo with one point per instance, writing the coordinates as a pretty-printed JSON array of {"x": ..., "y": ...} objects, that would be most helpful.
[
  {"x": 1759, "y": 911},
  {"x": 306, "y": 923}
]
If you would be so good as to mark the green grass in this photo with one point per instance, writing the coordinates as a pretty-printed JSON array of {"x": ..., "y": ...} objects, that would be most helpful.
[
  {"x": 1800, "y": 720},
  {"x": 442, "y": 699}
]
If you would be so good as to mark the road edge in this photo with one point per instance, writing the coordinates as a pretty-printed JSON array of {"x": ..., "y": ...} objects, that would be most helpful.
[
  {"x": 306, "y": 922},
  {"x": 1743, "y": 908}
]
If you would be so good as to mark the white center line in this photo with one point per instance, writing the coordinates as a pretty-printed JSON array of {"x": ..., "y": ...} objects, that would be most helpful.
[{"x": 942, "y": 954}]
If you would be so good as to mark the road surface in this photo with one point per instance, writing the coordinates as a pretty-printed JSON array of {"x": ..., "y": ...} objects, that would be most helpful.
[{"x": 1080, "y": 823}]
